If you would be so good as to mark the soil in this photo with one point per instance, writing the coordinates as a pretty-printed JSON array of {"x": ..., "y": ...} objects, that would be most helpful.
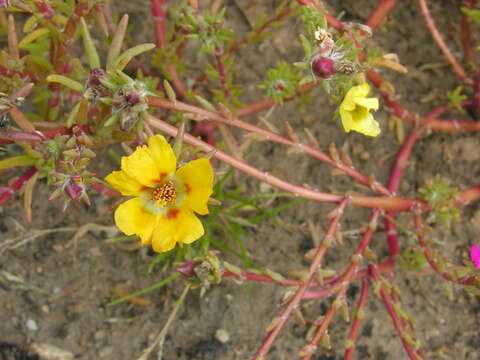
[{"x": 61, "y": 291}]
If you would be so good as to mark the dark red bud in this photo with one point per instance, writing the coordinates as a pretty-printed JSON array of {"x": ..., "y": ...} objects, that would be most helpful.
[
  {"x": 186, "y": 268},
  {"x": 132, "y": 98},
  {"x": 323, "y": 67},
  {"x": 73, "y": 190},
  {"x": 95, "y": 76}
]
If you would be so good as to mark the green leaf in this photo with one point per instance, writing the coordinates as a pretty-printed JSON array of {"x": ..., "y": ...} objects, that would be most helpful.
[
  {"x": 473, "y": 14},
  {"x": 205, "y": 103},
  {"x": 16, "y": 161},
  {"x": 129, "y": 54},
  {"x": 90, "y": 50},
  {"x": 117, "y": 42},
  {"x": 30, "y": 38},
  {"x": 146, "y": 290},
  {"x": 456, "y": 98},
  {"x": 65, "y": 81}
]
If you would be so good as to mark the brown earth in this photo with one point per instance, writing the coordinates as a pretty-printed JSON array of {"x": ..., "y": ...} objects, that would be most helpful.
[{"x": 65, "y": 289}]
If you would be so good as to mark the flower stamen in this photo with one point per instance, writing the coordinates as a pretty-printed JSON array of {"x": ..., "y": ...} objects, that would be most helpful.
[{"x": 165, "y": 194}]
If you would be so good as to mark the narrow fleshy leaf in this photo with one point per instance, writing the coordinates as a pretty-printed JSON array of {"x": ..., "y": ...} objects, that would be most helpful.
[
  {"x": 34, "y": 35},
  {"x": 65, "y": 81},
  {"x": 12, "y": 38},
  {"x": 24, "y": 91},
  {"x": 169, "y": 91},
  {"x": 73, "y": 115},
  {"x": 101, "y": 19},
  {"x": 117, "y": 42},
  {"x": 129, "y": 54},
  {"x": 112, "y": 120},
  {"x": 30, "y": 24},
  {"x": 28, "y": 195},
  {"x": 205, "y": 103},
  {"x": 16, "y": 161},
  {"x": 21, "y": 120},
  {"x": 177, "y": 146},
  {"x": 82, "y": 114},
  {"x": 90, "y": 49}
]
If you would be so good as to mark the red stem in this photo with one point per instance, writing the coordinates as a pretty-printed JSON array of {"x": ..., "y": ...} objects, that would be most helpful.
[
  {"x": 17, "y": 185},
  {"x": 267, "y": 103},
  {"x": 294, "y": 303},
  {"x": 393, "y": 185},
  {"x": 457, "y": 68},
  {"x": 355, "y": 328},
  {"x": 466, "y": 35},
  {"x": 221, "y": 70},
  {"x": 382, "y": 10},
  {"x": 396, "y": 175},
  {"x": 467, "y": 280},
  {"x": 386, "y": 266},
  {"x": 391, "y": 311},
  {"x": 158, "y": 13},
  {"x": 343, "y": 286},
  {"x": 160, "y": 21},
  {"x": 449, "y": 125}
]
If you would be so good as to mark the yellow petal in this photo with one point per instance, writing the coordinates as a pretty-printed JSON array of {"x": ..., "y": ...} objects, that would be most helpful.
[
  {"x": 162, "y": 154},
  {"x": 177, "y": 226},
  {"x": 369, "y": 126},
  {"x": 347, "y": 120},
  {"x": 134, "y": 219},
  {"x": 120, "y": 181},
  {"x": 142, "y": 167},
  {"x": 369, "y": 103},
  {"x": 361, "y": 91},
  {"x": 348, "y": 103},
  {"x": 354, "y": 95},
  {"x": 197, "y": 176}
]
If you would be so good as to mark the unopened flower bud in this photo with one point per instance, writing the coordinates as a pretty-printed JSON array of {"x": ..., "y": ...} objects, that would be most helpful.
[
  {"x": 73, "y": 190},
  {"x": 132, "y": 98},
  {"x": 95, "y": 76},
  {"x": 187, "y": 268},
  {"x": 323, "y": 67}
]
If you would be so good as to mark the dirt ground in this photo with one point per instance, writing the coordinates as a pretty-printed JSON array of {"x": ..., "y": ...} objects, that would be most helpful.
[{"x": 65, "y": 289}]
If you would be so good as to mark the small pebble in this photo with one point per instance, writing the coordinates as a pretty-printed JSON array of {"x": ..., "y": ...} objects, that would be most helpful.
[
  {"x": 45, "y": 309},
  {"x": 57, "y": 248},
  {"x": 222, "y": 336},
  {"x": 364, "y": 155},
  {"x": 106, "y": 351},
  {"x": 56, "y": 290},
  {"x": 31, "y": 325}
]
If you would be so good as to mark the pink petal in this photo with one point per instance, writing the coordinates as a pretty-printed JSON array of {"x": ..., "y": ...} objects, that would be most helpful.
[{"x": 475, "y": 255}]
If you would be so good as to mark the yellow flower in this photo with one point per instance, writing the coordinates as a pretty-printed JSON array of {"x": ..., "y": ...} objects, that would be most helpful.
[
  {"x": 355, "y": 111},
  {"x": 165, "y": 199}
]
